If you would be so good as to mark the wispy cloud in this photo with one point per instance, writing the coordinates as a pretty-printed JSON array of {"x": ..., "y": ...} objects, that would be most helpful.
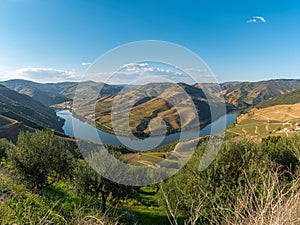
[
  {"x": 6, "y": 75},
  {"x": 257, "y": 19},
  {"x": 153, "y": 72},
  {"x": 45, "y": 74},
  {"x": 146, "y": 69},
  {"x": 86, "y": 63}
]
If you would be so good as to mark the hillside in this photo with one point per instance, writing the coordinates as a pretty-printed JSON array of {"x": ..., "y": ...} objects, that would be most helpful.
[
  {"x": 56, "y": 93},
  {"x": 10, "y": 128},
  {"x": 292, "y": 97},
  {"x": 41, "y": 93},
  {"x": 238, "y": 96},
  {"x": 25, "y": 109},
  {"x": 245, "y": 94},
  {"x": 149, "y": 102},
  {"x": 241, "y": 95},
  {"x": 275, "y": 116}
]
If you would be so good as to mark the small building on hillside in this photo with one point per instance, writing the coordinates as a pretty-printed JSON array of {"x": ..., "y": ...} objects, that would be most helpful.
[{"x": 295, "y": 127}]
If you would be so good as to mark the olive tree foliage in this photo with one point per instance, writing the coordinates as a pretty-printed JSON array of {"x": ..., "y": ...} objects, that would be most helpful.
[
  {"x": 241, "y": 166},
  {"x": 202, "y": 194},
  {"x": 88, "y": 181},
  {"x": 284, "y": 151},
  {"x": 41, "y": 158},
  {"x": 5, "y": 146}
]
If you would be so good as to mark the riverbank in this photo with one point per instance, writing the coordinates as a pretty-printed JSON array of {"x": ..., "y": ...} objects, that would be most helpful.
[{"x": 75, "y": 127}]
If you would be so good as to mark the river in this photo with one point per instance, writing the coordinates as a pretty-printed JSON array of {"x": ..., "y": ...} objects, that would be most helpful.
[{"x": 83, "y": 130}]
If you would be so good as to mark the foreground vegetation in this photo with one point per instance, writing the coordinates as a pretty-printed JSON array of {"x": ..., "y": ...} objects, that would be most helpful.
[{"x": 41, "y": 182}]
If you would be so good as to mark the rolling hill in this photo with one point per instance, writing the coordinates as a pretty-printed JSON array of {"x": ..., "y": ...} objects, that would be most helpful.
[
  {"x": 238, "y": 96},
  {"x": 292, "y": 97},
  {"x": 149, "y": 101},
  {"x": 245, "y": 94},
  {"x": 56, "y": 93},
  {"x": 44, "y": 94},
  {"x": 26, "y": 110},
  {"x": 275, "y": 116},
  {"x": 10, "y": 128}
]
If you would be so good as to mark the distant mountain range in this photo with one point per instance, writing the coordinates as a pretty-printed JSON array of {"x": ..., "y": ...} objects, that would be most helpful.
[
  {"x": 151, "y": 100},
  {"x": 55, "y": 93},
  {"x": 238, "y": 94},
  {"x": 34, "y": 109},
  {"x": 245, "y": 94}
]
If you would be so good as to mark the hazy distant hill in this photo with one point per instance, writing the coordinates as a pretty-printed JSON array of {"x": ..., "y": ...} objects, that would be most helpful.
[
  {"x": 44, "y": 94},
  {"x": 25, "y": 109},
  {"x": 245, "y": 94},
  {"x": 55, "y": 93}
]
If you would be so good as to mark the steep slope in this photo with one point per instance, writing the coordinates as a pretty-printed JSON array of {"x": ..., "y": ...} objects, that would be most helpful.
[
  {"x": 245, "y": 94},
  {"x": 10, "y": 128},
  {"x": 150, "y": 101},
  {"x": 69, "y": 89},
  {"x": 25, "y": 109},
  {"x": 276, "y": 116},
  {"x": 42, "y": 93},
  {"x": 292, "y": 97},
  {"x": 56, "y": 93}
]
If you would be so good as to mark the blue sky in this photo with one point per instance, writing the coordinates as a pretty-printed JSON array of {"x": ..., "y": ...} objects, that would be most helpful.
[{"x": 48, "y": 40}]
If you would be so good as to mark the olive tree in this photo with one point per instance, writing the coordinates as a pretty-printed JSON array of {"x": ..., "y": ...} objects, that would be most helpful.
[
  {"x": 41, "y": 158},
  {"x": 5, "y": 145},
  {"x": 88, "y": 181},
  {"x": 201, "y": 194}
]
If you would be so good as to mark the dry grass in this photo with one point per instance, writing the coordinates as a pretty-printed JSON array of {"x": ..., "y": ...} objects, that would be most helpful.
[
  {"x": 274, "y": 204},
  {"x": 268, "y": 204},
  {"x": 281, "y": 113}
]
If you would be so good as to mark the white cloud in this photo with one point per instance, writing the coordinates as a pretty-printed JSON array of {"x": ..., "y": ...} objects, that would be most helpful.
[
  {"x": 86, "y": 63},
  {"x": 6, "y": 76},
  {"x": 257, "y": 19},
  {"x": 146, "y": 69},
  {"x": 45, "y": 74},
  {"x": 135, "y": 71}
]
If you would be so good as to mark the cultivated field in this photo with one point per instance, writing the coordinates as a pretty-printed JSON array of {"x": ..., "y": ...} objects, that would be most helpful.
[{"x": 267, "y": 121}]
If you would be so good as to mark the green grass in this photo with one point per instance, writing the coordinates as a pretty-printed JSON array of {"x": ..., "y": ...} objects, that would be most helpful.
[
  {"x": 285, "y": 99},
  {"x": 56, "y": 204},
  {"x": 60, "y": 204}
]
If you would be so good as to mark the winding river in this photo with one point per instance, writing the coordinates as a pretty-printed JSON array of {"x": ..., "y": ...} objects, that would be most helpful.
[{"x": 88, "y": 132}]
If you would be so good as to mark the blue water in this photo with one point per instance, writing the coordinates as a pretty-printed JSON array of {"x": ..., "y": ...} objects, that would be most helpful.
[{"x": 83, "y": 130}]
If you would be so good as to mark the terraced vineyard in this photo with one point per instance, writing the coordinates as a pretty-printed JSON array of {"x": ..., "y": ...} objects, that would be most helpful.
[{"x": 274, "y": 120}]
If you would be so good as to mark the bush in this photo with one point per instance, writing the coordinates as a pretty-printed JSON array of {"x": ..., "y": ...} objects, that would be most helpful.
[
  {"x": 41, "y": 158},
  {"x": 199, "y": 194},
  {"x": 5, "y": 145},
  {"x": 56, "y": 204},
  {"x": 243, "y": 176},
  {"x": 283, "y": 151},
  {"x": 88, "y": 181}
]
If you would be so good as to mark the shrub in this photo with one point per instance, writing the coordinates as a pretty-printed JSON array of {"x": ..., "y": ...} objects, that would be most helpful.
[
  {"x": 88, "y": 181},
  {"x": 5, "y": 145},
  {"x": 199, "y": 194},
  {"x": 283, "y": 151},
  {"x": 41, "y": 158}
]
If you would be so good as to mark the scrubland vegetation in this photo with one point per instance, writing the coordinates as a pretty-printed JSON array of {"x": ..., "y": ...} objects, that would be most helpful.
[{"x": 41, "y": 182}]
